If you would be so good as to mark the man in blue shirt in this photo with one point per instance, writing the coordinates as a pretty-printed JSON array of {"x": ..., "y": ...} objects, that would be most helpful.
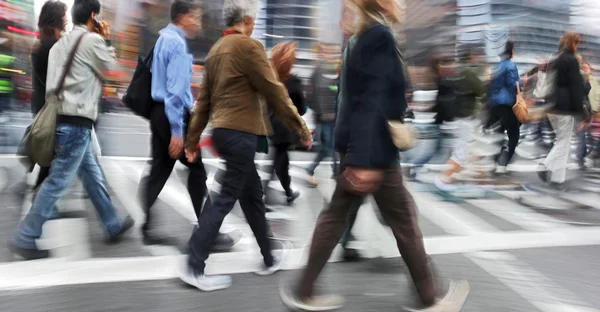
[{"x": 171, "y": 78}]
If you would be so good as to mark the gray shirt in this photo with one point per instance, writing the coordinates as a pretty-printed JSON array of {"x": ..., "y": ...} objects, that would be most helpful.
[{"x": 83, "y": 85}]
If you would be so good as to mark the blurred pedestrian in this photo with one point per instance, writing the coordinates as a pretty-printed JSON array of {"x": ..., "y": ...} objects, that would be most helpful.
[
  {"x": 51, "y": 24},
  {"x": 237, "y": 73},
  {"x": 323, "y": 99},
  {"x": 372, "y": 91},
  {"x": 568, "y": 112},
  {"x": 283, "y": 57},
  {"x": 77, "y": 113},
  {"x": 503, "y": 95},
  {"x": 172, "y": 93}
]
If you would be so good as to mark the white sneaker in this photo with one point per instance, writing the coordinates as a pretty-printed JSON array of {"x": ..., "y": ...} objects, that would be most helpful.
[
  {"x": 453, "y": 301},
  {"x": 279, "y": 256},
  {"x": 206, "y": 282}
]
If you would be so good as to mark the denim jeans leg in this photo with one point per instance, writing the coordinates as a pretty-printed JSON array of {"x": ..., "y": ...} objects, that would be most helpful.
[
  {"x": 326, "y": 147},
  {"x": 92, "y": 176},
  {"x": 71, "y": 144}
]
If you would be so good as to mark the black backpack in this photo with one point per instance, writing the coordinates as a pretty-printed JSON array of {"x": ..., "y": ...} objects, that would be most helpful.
[{"x": 139, "y": 93}]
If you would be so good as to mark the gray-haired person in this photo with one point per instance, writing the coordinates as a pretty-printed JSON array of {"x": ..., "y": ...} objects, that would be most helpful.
[{"x": 237, "y": 71}]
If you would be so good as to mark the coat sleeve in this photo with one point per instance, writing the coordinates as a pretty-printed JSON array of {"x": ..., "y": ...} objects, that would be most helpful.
[
  {"x": 575, "y": 85},
  {"x": 377, "y": 97}
]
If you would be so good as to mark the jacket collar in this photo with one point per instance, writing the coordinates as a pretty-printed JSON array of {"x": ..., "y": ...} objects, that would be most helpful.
[{"x": 175, "y": 29}]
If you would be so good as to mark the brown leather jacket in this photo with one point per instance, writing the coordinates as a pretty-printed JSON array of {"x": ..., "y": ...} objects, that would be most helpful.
[{"x": 237, "y": 85}]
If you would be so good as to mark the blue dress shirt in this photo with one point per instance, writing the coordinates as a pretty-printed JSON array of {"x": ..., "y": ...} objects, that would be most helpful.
[{"x": 171, "y": 77}]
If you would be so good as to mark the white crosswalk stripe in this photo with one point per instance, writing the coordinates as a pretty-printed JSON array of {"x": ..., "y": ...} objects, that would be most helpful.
[{"x": 464, "y": 229}]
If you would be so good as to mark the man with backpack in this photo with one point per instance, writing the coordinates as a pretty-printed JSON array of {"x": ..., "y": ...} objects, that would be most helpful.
[{"x": 171, "y": 69}]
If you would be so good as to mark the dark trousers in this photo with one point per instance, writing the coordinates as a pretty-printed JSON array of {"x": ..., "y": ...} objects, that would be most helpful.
[
  {"x": 327, "y": 128},
  {"x": 162, "y": 166},
  {"x": 398, "y": 209},
  {"x": 281, "y": 167},
  {"x": 240, "y": 182},
  {"x": 511, "y": 125}
]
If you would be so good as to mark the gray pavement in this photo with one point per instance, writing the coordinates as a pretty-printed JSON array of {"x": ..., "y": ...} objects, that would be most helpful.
[{"x": 517, "y": 258}]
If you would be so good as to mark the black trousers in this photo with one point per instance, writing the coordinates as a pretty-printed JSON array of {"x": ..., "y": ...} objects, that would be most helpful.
[
  {"x": 162, "y": 166},
  {"x": 282, "y": 167},
  {"x": 240, "y": 182},
  {"x": 510, "y": 124}
]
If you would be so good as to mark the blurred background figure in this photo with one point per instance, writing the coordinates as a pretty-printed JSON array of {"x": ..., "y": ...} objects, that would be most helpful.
[
  {"x": 283, "y": 57},
  {"x": 51, "y": 24},
  {"x": 323, "y": 101}
]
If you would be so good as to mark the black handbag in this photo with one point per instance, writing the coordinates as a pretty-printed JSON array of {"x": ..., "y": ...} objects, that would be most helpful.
[{"x": 138, "y": 97}]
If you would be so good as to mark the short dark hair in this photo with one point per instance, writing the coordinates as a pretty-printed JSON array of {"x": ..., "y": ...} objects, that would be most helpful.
[
  {"x": 83, "y": 9},
  {"x": 182, "y": 7},
  {"x": 509, "y": 49},
  {"x": 51, "y": 17}
]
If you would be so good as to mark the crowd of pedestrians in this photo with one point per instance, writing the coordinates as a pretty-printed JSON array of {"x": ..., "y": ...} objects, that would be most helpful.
[{"x": 250, "y": 98}]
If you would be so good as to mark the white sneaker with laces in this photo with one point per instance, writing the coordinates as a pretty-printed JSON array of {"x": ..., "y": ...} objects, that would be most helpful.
[
  {"x": 206, "y": 282},
  {"x": 317, "y": 303}
]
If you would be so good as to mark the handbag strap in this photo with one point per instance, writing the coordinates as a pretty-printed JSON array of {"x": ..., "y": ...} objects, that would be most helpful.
[{"x": 68, "y": 65}]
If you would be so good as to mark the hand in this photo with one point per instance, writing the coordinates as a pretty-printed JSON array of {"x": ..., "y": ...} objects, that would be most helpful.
[
  {"x": 103, "y": 30},
  {"x": 176, "y": 147},
  {"x": 191, "y": 156},
  {"x": 308, "y": 143},
  {"x": 581, "y": 126}
]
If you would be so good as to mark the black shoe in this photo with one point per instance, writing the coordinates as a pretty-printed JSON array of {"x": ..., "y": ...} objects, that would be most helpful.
[
  {"x": 351, "y": 255},
  {"x": 293, "y": 197},
  {"x": 125, "y": 226},
  {"x": 28, "y": 254}
]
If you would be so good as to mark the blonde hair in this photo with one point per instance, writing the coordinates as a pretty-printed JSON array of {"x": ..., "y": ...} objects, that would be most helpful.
[{"x": 369, "y": 12}]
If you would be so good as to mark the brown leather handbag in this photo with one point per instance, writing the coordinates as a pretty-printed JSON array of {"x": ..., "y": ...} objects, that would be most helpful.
[{"x": 520, "y": 108}]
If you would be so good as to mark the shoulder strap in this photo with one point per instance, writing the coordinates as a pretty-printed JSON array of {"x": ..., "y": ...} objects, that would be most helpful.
[{"x": 61, "y": 82}]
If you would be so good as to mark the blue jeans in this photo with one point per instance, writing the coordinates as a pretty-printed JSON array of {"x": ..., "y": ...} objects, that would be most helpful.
[
  {"x": 327, "y": 128},
  {"x": 74, "y": 156}
]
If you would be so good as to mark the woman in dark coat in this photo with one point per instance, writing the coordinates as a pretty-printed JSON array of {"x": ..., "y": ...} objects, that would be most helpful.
[
  {"x": 283, "y": 57},
  {"x": 52, "y": 22},
  {"x": 568, "y": 111}
]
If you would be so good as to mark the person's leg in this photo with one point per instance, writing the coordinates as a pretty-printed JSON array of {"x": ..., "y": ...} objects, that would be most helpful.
[
  {"x": 282, "y": 167},
  {"x": 327, "y": 233},
  {"x": 71, "y": 144},
  {"x": 251, "y": 201},
  {"x": 196, "y": 184},
  {"x": 582, "y": 147},
  {"x": 327, "y": 138},
  {"x": 323, "y": 151},
  {"x": 238, "y": 149},
  {"x": 558, "y": 158},
  {"x": 161, "y": 166},
  {"x": 92, "y": 176},
  {"x": 399, "y": 210},
  {"x": 514, "y": 133}
]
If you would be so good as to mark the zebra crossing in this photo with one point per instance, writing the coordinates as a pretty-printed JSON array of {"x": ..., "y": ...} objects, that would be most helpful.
[{"x": 495, "y": 223}]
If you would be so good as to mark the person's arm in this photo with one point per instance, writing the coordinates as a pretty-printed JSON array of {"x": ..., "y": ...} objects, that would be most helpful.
[
  {"x": 475, "y": 83},
  {"x": 200, "y": 115},
  {"x": 102, "y": 55},
  {"x": 178, "y": 88},
  {"x": 263, "y": 79}
]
